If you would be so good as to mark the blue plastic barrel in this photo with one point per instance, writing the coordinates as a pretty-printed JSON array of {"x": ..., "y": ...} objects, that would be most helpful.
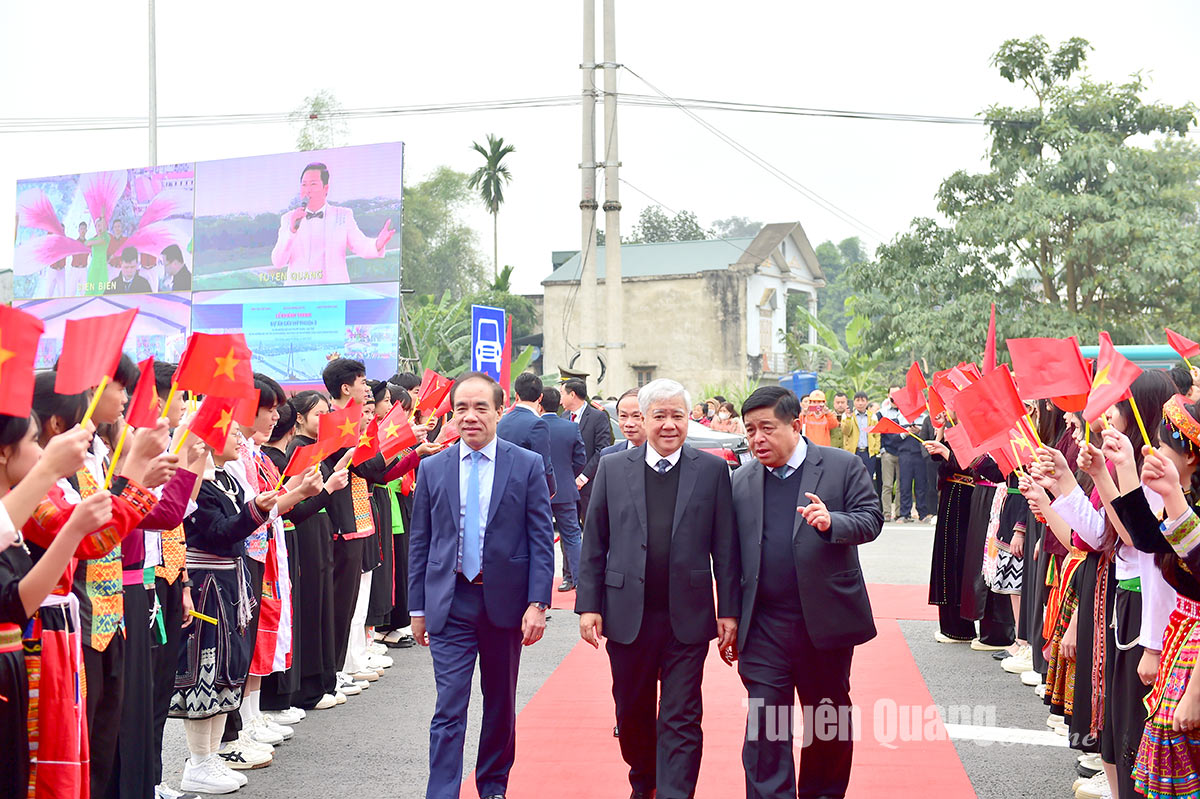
[{"x": 800, "y": 383}]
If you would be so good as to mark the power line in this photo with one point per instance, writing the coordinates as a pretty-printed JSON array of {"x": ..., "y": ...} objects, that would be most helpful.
[{"x": 772, "y": 170}]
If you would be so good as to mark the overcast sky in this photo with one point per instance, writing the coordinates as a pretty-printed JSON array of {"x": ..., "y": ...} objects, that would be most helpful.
[{"x": 70, "y": 59}]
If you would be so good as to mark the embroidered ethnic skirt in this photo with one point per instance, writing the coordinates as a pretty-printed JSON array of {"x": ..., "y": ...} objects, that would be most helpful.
[{"x": 1168, "y": 762}]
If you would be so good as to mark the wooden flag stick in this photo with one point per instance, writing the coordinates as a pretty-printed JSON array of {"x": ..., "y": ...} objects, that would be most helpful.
[
  {"x": 112, "y": 466},
  {"x": 1016, "y": 457},
  {"x": 170, "y": 396},
  {"x": 182, "y": 438},
  {"x": 1141, "y": 425},
  {"x": 91, "y": 408}
]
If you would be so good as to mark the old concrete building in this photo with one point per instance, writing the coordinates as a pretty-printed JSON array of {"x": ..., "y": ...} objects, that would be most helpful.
[{"x": 702, "y": 312}]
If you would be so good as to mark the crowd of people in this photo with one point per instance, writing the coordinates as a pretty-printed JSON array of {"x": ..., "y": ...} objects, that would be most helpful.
[{"x": 1077, "y": 573}]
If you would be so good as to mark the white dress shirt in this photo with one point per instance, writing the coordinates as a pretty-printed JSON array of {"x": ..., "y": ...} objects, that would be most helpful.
[
  {"x": 653, "y": 457},
  {"x": 796, "y": 460}
]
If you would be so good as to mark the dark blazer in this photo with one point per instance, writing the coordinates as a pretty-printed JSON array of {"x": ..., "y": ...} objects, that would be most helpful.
[
  {"x": 833, "y": 596},
  {"x": 518, "y": 541},
  {"x": 526, "y": 429},
  {"x": 139, "y": 285},
  {"x": 612, "y": 567},
  {"x": 566, "y": 452},
  {"x": 595, "y": 428}
]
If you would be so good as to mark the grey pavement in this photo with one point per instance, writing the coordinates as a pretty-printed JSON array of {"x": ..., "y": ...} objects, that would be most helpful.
[{"x": 377, "y": 743}]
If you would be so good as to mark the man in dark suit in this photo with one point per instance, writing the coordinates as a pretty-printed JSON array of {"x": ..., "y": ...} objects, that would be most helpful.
[
  {"x": 659, "y": 525},
  {"x": 596, "y": 432},
  {"x": 173, "y": 265},
  {"x": 524, "y": 425},
  {"x": 128, "y": 281},
  {"x": 566, "y": 450},
  {"x": 629, "y": 418},
  {"x": 481, "y": 568},
  {"x": 802, "y": 509}
]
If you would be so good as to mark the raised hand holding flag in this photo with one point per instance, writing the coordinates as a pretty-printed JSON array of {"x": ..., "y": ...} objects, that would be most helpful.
[
  {"x": 1114, "y": 375},
  {"x": 340, "y": 428}
]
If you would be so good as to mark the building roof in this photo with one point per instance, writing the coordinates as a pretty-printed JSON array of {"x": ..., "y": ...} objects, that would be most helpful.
[
  {"x": 667, "y": 258},
  {"x": 662, "y": 258}
]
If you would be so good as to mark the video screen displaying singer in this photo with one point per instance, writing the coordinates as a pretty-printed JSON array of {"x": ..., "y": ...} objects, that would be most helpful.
[{"x": 323, "y": 217}]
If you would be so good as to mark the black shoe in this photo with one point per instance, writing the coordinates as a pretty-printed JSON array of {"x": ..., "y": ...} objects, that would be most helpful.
[
  {"x": 1084, "y": 771},
  {"x": 643, "y": 794},
  {"x": 567, "y": 585},
  {"x": 1001, "y": 655},
  {"x": 404, "y": 642}
]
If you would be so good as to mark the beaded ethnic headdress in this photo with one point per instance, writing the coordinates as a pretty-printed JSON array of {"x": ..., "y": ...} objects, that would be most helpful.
[{"x": 1182, "y": 423}]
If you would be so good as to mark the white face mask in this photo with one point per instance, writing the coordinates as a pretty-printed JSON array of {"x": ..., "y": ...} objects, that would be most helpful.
[{"x": 723, "y": 416}]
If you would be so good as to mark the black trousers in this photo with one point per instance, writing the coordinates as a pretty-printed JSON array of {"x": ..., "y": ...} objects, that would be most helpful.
[
  {"x": 953, "y": 625},
  {"x": 347, "y": 577},
  {"x": 997, "y": 627},
  {"x": 656, "y": 686},
  {"x": 133, "y": 767},
  {"x": 778, "y": 665},
  {"x": 164, "y": 658},
  {"x": 105, "y": 673},
  {"x": 913, "y": 476},
  {"x": 400, "y": 618}
]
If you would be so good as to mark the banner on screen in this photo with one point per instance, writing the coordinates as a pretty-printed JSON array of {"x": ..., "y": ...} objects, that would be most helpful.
[{"x": 294, "y": 332}]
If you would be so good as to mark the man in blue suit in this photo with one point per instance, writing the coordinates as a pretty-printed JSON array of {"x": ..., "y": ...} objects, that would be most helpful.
[
  {"x": 566, "y": 450},
  {"x": 481, "y": 569},
  {"x": 525, "y": 427}
]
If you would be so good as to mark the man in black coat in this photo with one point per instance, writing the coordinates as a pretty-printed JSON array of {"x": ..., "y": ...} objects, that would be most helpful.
[
  {"x": 525, "y": 427},
  {"x": 566, "y": 452},
  {"x": 660, "y": 524},
  {"x": 802, "y": 509}
]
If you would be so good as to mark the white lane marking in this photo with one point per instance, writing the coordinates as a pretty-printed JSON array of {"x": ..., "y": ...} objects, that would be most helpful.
[{"x": 1008, "y": 735}]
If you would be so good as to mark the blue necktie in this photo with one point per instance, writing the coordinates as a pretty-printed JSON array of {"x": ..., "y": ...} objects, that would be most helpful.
[
  {"x": 782, "y": 472},
  {"x": 663, "y": 466},
  {"x": 470, "y": 554}
]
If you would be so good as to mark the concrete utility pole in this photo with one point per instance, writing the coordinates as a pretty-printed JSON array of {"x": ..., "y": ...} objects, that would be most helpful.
[
  {"x": 616, "y": 380},
  {"x": 153, "y": 93},
  {"x": 586, "y": 298}
]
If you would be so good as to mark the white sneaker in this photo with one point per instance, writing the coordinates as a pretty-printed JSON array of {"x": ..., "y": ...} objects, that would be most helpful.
[
  {"x": 339, "y": 697},
  {"x": 945, "y": 639},
  {"x": 240, "y": 779},
  {"x": 244, "y": 739},
  {"x": 1092, "y": 761},
  {"x": 207, "y": 777},
  {"x": 364, "y": 684},
  {"x": 1031, "y": 678},
  {"x": 238, "y": 755},
  {"x": 1095, "y": 788},
  {"x": 366, "y": 675},
  {"x": 260, "y": 732},
  {"x": 288, "y": 717},
  {"x": 327, "y": 701},
  {"x": 379, "y": 662},
  {"x": 376, "y": 647},
  {"x": 1020, "y": 662},
  {"x": 1054, "y": 720},
  {"x": 277, "y": 728},
  {"x": 348, "y": 686},
  {"x": 164, "y": 791}
]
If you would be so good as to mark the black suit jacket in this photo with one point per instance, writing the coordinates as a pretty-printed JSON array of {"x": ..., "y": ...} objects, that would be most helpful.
[
  {"x": 612, "y": 568},
  {"x": 527, "y": 430},
  {"x": 596, "y": 431},
  {"x": 833, "y": 595}
]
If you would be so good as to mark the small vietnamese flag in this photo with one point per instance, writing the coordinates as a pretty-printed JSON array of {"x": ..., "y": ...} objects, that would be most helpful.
[
  {"x": 887, "y": 427},
  {"x": 246, "y": 408},
  {"x": 216, "y": 363},
  {"x": 395, "y": 432},
  {"x": 213, "y": 423},
  {"x": 1114, "y": 375},
  {"x": 303, "y": 459},
  {"x": 990, "y": 406},
  {"x": 1184, "y": 346},
  {"x": 142, "y": 410},
  {"x": 339, "y": 429},
  {"x": 432, "y": 391},
  {"x": 444, "y": 408},
  {"x": 937, "y": 407},
  {"x": 19, "y": 334},
  {"x": 91, "y": 351},
  {"x": 368, "y": 444},
  {"x": 911, "y": 398},
  {"x": 1048, "y": 367}
]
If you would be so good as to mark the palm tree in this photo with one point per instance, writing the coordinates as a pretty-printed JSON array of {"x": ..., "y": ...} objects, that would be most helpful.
[{"x": 490, "y": 179}]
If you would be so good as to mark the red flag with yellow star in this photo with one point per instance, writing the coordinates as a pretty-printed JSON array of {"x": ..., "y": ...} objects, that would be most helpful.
[
  {"x": 214, "y": 421},
  {"x": 217, "y": 364},
  {"x": 246, "y": 408},
  {"x": 91, "y": 351},
  {"x": 395, "y": 433},
  {"x": 19, "y": 334},
  {"x": 1114, "y": 375},
  {"x": 434, "y": 388},
  {"x": 142, "y": 410},
  {"x": 368, "y": 444},
  {"x": 303, "y": 459},
  {"x": 340, "y": 428}
]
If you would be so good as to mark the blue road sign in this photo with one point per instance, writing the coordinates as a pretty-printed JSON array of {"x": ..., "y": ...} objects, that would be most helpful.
[{"x": 487, "y": 339}]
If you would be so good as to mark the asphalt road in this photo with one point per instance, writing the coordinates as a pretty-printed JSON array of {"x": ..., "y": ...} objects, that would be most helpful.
[{"x": 377, "y": 743}]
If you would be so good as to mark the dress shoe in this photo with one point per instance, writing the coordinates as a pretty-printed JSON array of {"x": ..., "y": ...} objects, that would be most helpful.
[{"x": 566, "y": 585}]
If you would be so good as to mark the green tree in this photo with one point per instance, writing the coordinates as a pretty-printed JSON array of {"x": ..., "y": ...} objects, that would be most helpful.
[
  {"x": 735, "y": 227},
  {"x": 489, "y": 180},
  {"x": 654, "y": 225},
  {"x": 319, "y": 122},
  {"x": 439, "y": 252},
  {"x": 1076, "y": 225},
  {"x": 844, "y": 361}
]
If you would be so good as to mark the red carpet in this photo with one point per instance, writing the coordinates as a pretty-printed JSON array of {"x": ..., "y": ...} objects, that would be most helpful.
[{"x": 565, "y": 745}]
